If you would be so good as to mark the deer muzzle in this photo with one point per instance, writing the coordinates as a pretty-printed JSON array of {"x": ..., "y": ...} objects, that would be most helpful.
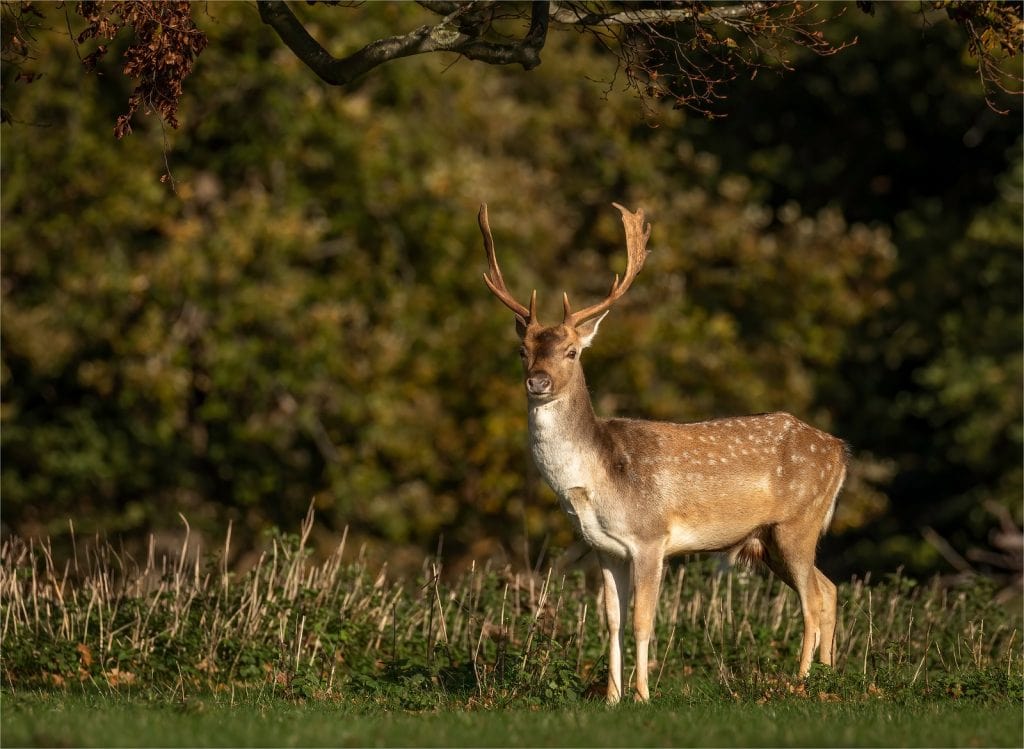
[{"x": 539, "y": 384}]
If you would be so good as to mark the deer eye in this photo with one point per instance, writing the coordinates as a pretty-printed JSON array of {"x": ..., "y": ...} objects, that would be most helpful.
[
  {"x": 571, "y": 353},
  {"x": 522, "y": 352}
]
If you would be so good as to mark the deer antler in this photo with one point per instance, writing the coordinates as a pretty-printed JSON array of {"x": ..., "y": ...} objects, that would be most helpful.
[
  {"x": 637, "y": 234},
  {"x": 495, "y": 282}
]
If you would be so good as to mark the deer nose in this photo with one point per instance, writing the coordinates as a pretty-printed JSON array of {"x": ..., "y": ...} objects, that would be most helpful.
[{"x": 538, "y": 384}]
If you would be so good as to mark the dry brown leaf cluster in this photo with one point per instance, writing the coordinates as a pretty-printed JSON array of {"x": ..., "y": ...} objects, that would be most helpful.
[{"x": 165, "y": 46}]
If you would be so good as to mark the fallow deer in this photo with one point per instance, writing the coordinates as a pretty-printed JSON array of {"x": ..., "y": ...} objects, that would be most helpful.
[{"x": 761, "y": 487}]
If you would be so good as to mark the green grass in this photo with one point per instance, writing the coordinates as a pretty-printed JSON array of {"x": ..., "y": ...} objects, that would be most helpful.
[
  {"x": 101, "y": 650},
  {"x": 58, "y": 720}
]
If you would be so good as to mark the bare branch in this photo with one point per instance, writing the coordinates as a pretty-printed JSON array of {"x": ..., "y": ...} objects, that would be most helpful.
[
  {"x": 446, "y": 36},
  {"x": 576, "y": 15},
  {"x": 687, "y": 52},
  {"x": 441, "y": 7}
]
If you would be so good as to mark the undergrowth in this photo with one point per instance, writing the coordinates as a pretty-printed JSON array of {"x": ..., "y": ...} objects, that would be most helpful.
[{"x": 332, "y": 630}]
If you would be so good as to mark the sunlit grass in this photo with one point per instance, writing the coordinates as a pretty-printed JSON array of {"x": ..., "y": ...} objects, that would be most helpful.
[
  {"x": 58, "y": 719},
  {"x": 292, "y": 628}
]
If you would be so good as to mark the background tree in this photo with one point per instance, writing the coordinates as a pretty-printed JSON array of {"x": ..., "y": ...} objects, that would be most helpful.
[
  {"x": 932, "y": 381},
  {"x": 304, "y": 317}
]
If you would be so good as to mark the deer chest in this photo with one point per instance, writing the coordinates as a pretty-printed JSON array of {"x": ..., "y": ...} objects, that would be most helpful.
[
  {"x": 562, "y": 465},
  {"x": 578, "y": 476},
  {"x": 600, "y": 530},
  {"x": 561, "y": 458}
]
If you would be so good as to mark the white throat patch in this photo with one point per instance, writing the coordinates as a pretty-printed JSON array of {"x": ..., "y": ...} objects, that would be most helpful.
[{"x": 560, "y": 461}]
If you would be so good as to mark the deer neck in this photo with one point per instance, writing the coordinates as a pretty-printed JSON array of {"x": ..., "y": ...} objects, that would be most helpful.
[{"x": 564, "y": 438}]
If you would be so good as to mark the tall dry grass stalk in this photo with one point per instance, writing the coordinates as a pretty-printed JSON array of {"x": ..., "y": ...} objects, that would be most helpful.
[{"x": 187, "y": 621}]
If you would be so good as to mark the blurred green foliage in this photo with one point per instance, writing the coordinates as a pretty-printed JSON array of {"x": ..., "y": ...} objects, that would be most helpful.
[
  {"x": 298, "y": 314},
  {"x": 932, "y": 383}
]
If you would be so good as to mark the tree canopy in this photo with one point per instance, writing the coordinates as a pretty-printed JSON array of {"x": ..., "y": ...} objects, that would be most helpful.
[{"x": 686, "y": 51}]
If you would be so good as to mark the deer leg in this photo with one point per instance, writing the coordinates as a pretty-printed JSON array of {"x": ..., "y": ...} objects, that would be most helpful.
[
  {"x": 828, "y": 618},
  {"x": 646, "y": 583},
  {"x": 810, "y": 604},
  {"x": 615, "y": 572},
  {"x": 792, "y": 559}
]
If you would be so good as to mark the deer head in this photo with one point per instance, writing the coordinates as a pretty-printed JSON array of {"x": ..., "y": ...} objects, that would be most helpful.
[{"x": 551, "y": 353}]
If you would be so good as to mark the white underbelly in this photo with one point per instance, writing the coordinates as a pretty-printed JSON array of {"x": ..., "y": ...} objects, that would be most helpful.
[{"x": 688, "y": 538}]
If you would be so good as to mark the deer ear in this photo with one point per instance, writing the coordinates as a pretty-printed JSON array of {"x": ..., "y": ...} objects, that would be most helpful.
[
  {"x": 588, "y": 329},
  {"x": 521, "y": 327}
]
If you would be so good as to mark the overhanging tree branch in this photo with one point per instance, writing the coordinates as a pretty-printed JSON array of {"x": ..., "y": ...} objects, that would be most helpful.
[
  {"x": 682, "y": 51},
  {"x": 576, "y": 15},
  {"x": 447, "y": 36}
]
